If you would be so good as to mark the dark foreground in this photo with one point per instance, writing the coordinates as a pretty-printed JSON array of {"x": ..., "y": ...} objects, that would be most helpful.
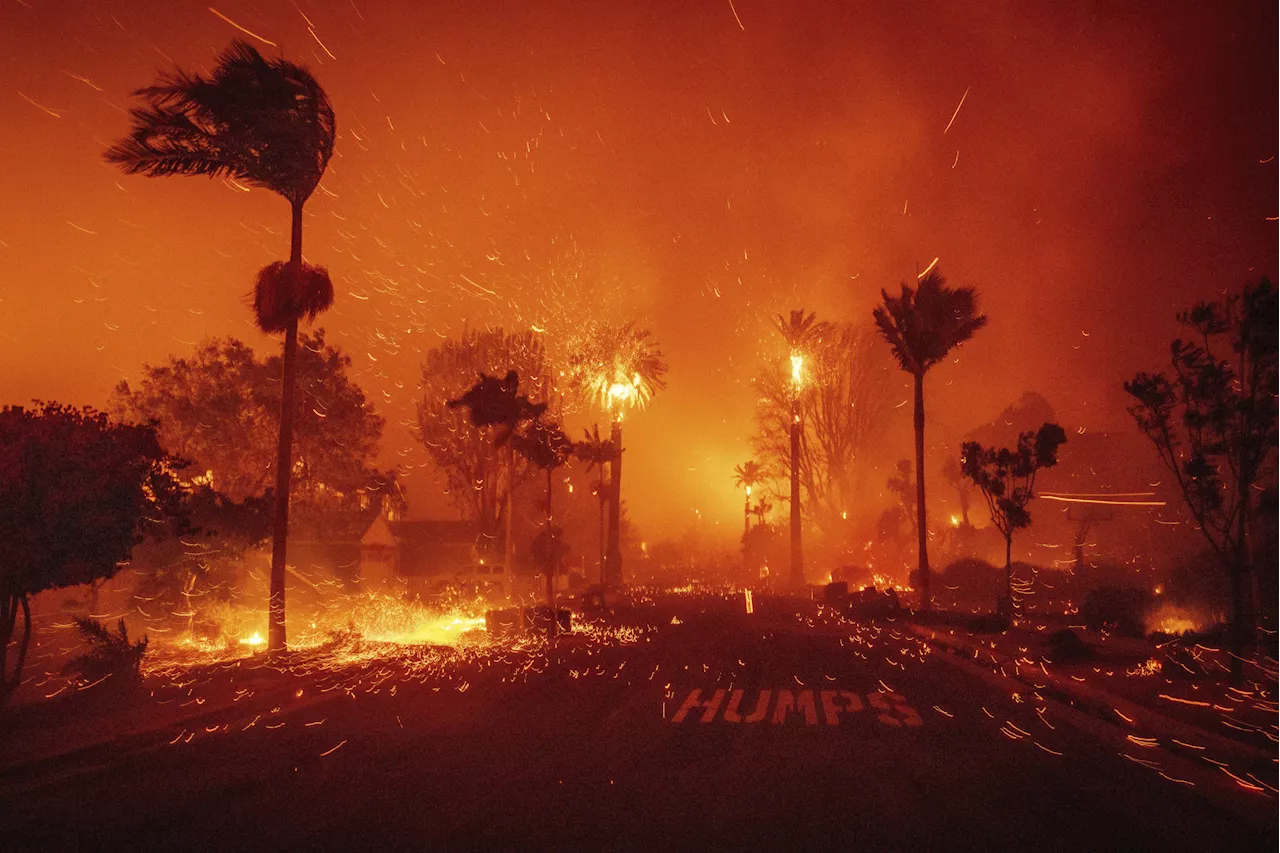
[{"x": 584, "y": 754}]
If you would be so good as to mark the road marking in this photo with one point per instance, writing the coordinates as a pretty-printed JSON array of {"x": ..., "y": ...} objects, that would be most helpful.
[{"x": 890, "y": 708}]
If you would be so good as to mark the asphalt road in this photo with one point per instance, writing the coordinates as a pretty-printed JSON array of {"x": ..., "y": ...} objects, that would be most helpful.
[{"x": 865, "y": 741}]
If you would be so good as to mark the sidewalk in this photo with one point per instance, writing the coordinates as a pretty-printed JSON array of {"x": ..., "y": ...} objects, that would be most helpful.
[{"x": 1123, "y": 684}]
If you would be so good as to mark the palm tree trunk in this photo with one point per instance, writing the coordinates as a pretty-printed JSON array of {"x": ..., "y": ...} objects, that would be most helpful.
[
  {"x": 551, "y": 562},
  {"x": 9, "y": 683},
  {"x": 613, "y": 555},
  {"x": 8, "y": 615},
  {"x": 1242, "y": 629},
  {"x": 509, "y": 540},
  {"x": 797, "y": 564},
  {"x": 276, "y": 640},
  {"x": 926, "y": 602}
]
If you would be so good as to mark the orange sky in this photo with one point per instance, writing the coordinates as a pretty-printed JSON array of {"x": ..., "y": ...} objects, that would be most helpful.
[{"x": 527, "y": 163}]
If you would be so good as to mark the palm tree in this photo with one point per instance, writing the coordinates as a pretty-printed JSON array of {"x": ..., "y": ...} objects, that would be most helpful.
[
  {"x": 747, "y": 476},
  {"x": 494, "y": 402},
  {"x": 761, "y": 509},
  {"x": 921, "y": 326},
  {"x": 617, "y": 367},
  {"x": 545, "y": 445},
  {"x": 801, "y": 332},
  {"x": 596, "y": 452},
  {"x": 268, "y": 123}
]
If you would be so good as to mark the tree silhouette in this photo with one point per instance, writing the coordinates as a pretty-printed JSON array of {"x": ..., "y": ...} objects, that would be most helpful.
[
  {"x": 266, "y": 122},
  {"x": 545, "y": 445},
  {"x": 76, "y": 494},
  {"x": 844, "y": 405},
  {"x": 219, "y": 408},
  {"x": 1213, "y": 422},
  {"x": 481, "y": 477},
  {"x": 1007, "y": 479},
  {"x": 921, "y": 326}
]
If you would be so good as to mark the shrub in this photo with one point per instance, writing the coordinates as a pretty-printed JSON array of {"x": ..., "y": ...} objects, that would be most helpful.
[
  {"x": 1119, "y": 609},
  {"x": 1065, "y": 646},
  {"x": 111, "y": 653},
  {"x": 972, "y": 576}
]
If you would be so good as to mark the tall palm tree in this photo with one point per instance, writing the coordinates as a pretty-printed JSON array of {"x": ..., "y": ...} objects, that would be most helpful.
[
  {"x": 802, "y": 332},
  {"x": 596, "y": 452},
  {"x": 747, "y": 476},
  {"x": 921, "y": 326},
  {"x": 268, "y": 123},
  {"x": 617, "y": 367}
]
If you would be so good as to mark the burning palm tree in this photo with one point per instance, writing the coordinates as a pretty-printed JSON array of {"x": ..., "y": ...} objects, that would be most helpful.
[
  {"x": 747, "y": 476},
  {"x": 268, "y": 123},
  {"x": 921, "y": 327},
  {"x": 617, "y": 368},
  {"x": 802, "y": 332}
]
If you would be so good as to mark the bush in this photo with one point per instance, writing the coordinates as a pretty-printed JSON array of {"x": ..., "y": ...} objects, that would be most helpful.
[
  {"x": 110, "y": 654},
  {"x": 973, "y": 577},
  {"x": 1065, "y": 646},
  {"x": 1122, "y": 610}
]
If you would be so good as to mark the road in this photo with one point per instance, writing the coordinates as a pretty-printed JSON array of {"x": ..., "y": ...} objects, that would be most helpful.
[{"x": 865, "y": 740}]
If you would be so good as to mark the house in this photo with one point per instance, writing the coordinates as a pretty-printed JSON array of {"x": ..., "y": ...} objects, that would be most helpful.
[{"x": 416, "y": 551}]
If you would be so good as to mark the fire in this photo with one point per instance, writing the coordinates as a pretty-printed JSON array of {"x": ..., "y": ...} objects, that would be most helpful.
[
  {"x": 446, "y": 630},
  {"x": 797, "y": 369},
  {"x": 254, "y": 640},
  {"x": 1173, "y": 620}
]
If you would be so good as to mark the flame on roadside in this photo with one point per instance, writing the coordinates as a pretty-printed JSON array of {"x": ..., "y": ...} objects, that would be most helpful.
[{"x": 1170, "y": 619}]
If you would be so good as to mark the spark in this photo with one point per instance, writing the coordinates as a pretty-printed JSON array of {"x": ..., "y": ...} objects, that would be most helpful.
[
  {"x": 735, "y": 16},
  {"x": 956, "y": 113},
  {"x": 332, "y": 751},
  {"x": 932, "y": 264},
  {"x": 1071, "y": 500},
  {"x": 53, "y": 113},
  {"x": 243, "y": 30},
  {"x": 84, "y": 80},
  {"x": 322, "y": 44}
]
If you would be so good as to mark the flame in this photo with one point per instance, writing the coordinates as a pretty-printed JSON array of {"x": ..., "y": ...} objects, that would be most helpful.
[
  {"x": 797, "y": 369},
  {"x": 1170, "y": 619},
  {"x": 253, "y": 640}
]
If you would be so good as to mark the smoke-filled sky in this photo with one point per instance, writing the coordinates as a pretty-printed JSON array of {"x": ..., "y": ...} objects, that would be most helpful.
[{"x": 1090, "y": 167}]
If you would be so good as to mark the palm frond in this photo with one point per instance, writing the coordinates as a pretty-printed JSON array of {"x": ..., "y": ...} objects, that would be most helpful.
[
  {"x": 265, "y": 122},
  {"x": 281, "y": 298},
  {"x": 924, "y": 324}
]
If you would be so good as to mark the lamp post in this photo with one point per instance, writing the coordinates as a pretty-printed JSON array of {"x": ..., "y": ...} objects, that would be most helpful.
[{"x": 797, "y": 381}]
